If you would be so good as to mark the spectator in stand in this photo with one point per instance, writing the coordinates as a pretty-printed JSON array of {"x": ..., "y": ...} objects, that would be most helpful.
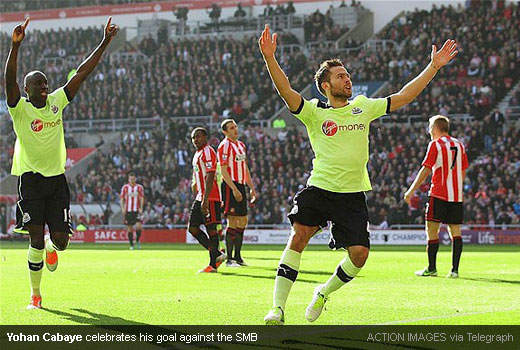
[
  {"x": 240, "y": 13},
  {"x": 290, "y": 8}
]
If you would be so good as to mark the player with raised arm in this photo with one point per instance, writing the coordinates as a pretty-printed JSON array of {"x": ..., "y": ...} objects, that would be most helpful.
[
  {"x": 446, "y": 158},
  {"x": 338, "y": 132},
  {"x": 132, "y": 204},
  {"x": 207, "y": 206},
  {"x": 235, "y": 175},
  {"x": 39, "y": 156}
]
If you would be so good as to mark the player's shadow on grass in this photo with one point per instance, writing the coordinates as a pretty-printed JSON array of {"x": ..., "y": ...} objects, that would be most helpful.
[
  {"x": 117, "y": 324},
  {"x": 267, "y": 259},
  {"x": 264, "y": 277},
  {"x": 490, "y": 280},
  {"x": 320, "y": 273},
  {"x": 94, "y": 319}
]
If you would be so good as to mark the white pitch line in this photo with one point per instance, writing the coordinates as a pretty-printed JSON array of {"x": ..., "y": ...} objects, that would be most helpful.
[{"x": 446, "y": 316}]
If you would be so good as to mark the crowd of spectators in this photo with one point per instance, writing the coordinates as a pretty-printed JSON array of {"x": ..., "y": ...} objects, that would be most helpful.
[
  {"x": 280, "y": 165},
  {"x": 36, "y": 5},
  {"x": 320, "y": 27},
  {"x": 487, "y": 65},
  {"x": 226, "y": 77},
  {"x": 222, "y": 76}
]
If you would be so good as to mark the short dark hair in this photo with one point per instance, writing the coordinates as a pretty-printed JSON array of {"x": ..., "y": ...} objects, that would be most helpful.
[
  {"x": 441, "y": 122},
  {"x": 131, "y": 174},
  {"x": 201, "y": 129},
  {"x": 224, "y": 124},
  {"x": 323, "y": 73}
]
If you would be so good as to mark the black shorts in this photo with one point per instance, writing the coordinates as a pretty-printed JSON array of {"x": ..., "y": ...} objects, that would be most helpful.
[
  {"x": 197, "y": 218},
  {"x": 348, "y": 213},
  {"x": 439, "y": 210},
  {"x": 231, "y": 205},
  {"x": 43, "y": 200},
  {"x": 132, "y": 217}
]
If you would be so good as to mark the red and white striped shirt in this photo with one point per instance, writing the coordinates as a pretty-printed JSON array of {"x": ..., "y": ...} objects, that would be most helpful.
[
  {"x": 204, "y": 162},
  {"x": 131, "y": 196},
  {"x": 447, "y": 158},
  {"x": 233, "y": 154}
]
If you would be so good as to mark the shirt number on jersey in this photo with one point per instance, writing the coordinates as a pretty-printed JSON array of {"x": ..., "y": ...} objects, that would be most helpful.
[
  {"x": 66, "y": 215},
  {"x": 456, "y": 150}
]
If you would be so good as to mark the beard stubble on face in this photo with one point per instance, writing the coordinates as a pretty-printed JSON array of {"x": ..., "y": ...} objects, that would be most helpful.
[{"x": 341, "y": 94}]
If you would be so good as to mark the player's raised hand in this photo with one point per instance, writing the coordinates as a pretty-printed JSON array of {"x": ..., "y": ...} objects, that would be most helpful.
[
  {"x": 267, "y": 43},
  {"x": 19, "y": 31},
  {"x": 445, "y": 55},
  {"x": 110, "y": 30}
]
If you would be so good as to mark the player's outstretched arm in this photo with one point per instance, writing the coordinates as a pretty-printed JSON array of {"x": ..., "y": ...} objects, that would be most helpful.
[
  {"x": 87, "y": 66},
  {"x": 267, "y": 46},
  {"x": 12, "y": 90},
  {"x": 438, "y": 60},
  {"x": 419, "y": 179}
]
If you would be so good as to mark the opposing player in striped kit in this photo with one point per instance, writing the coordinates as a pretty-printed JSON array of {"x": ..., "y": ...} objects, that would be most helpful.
[
  {"x": 207, "y": 206},
  {"x": 446, "y": 158},
  {"x": 235, "y": 174},
  {"x": 132, "y": 204}
]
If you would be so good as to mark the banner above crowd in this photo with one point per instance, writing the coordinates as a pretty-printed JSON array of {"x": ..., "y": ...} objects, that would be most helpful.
[{"x": 112, "y": 10}]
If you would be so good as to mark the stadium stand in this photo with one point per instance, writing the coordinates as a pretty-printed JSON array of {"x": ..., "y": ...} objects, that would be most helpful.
[
  {"x": 225, "y": 77},
  {"x": 280, "y": 164},
  {"x": 15, "y": 6}
]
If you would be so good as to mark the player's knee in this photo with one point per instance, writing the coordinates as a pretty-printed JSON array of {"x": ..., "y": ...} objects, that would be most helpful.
[
  {"x": 242, "y": 222},
  {"x": 37, "y": 243},
  {"x": 359, "y": 257},
  {"x": 36, "y": 236},
  {"x": 193, "y": 230},
  {"x": 299, "y": 240},
  {"x": 60, "y": 241}
]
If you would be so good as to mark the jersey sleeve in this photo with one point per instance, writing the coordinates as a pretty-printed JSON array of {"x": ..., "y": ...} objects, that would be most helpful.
[
  {"x": 123, "y": 192},
  {"x": 210, "y": 161},
  {"x": 141, "y": 191},
  {"x": 60, "y": 97},
  {"x": 223, "y": 153},
  {"x": 16, "y": 111},
  {"x": 306, "y": 110},
  {"x": 377, "y": 107},
  {"x": 431, "y": 156},
  {"x": 465, "y": 163}
]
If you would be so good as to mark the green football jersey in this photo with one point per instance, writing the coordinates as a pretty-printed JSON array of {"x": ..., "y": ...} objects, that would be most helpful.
[
  {"x": 40, "y": 142},
  {"x": 339, "y": 139}
]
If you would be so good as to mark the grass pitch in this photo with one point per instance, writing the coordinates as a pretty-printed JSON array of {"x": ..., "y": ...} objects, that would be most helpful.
[{"x": 159, "y": 285}]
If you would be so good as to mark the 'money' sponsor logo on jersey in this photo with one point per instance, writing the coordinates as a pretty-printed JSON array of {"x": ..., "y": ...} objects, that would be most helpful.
[
  {"x": 37, "y": 125},
  {"x": 330, "y": 127}
]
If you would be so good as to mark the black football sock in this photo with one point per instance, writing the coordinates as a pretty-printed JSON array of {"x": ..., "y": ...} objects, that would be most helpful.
[
  {"x": 432, "y": 248},
  {"x": 202, "y": 238},
  {"x": 131, "y": 238},
  {"x": 138, "y": 235},
  {"x": 230, "y": 242},
  {"x": 239, "y": 238},
  {"x": 213, "y": 250},
  {"x": 456, "y": 251}
]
